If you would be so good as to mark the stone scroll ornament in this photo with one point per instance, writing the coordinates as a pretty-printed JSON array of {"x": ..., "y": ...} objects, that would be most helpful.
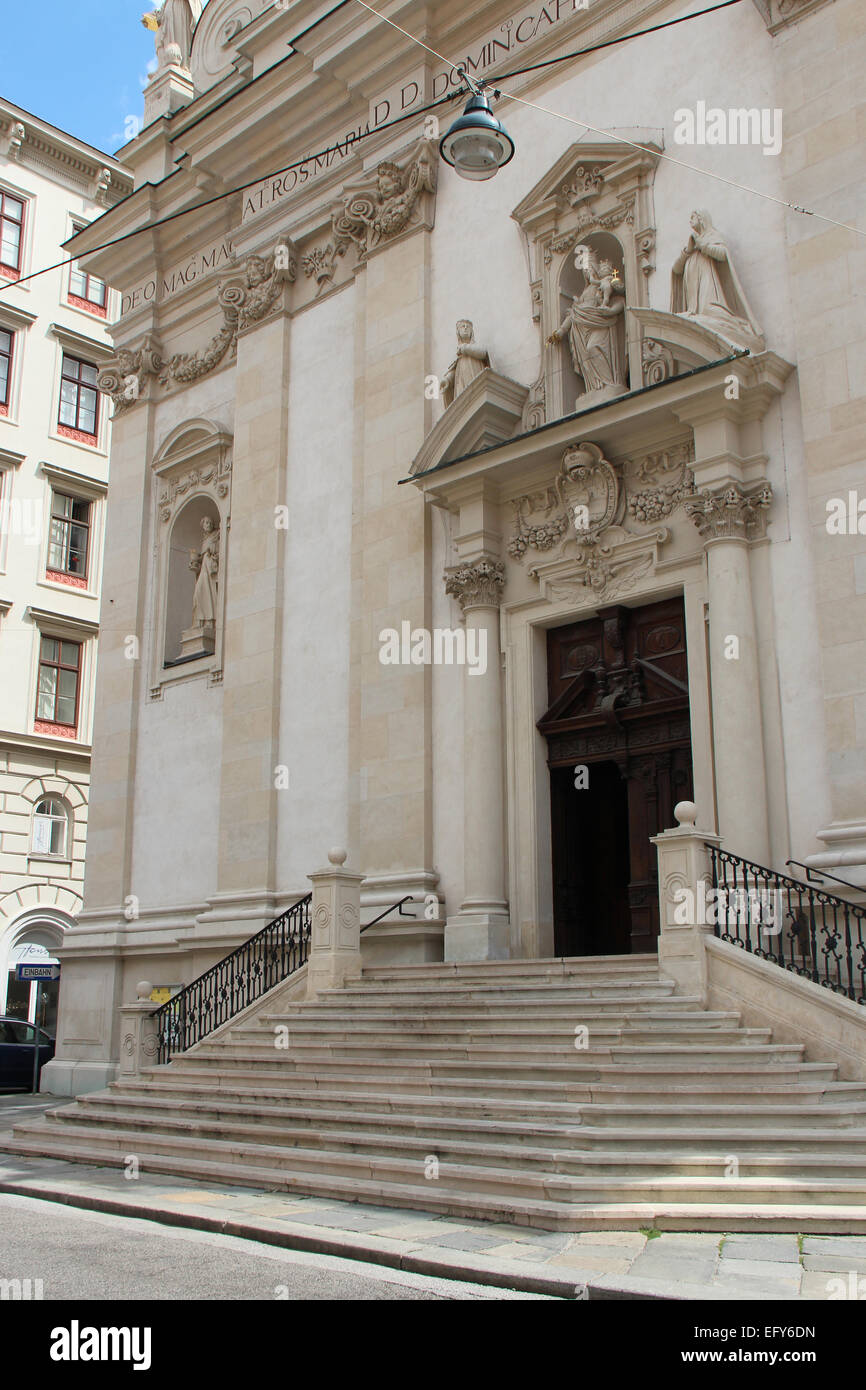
[
  {"x": 371, "y": 216},
  {"x": 126, "y": 376},
  {"x": 243, "y": 303}
]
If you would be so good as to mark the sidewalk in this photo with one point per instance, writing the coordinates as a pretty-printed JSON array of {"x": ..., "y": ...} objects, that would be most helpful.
[{"x": 595, "y": 1264}]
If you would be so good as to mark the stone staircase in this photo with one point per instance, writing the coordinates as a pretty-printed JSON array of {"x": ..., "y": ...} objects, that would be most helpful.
[{"x": 460, "y": 1089}]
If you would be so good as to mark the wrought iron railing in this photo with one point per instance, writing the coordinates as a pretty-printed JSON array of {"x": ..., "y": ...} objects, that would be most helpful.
[
  {"x": 239, "y": 979},
  {"x": 797, "y": 925}
]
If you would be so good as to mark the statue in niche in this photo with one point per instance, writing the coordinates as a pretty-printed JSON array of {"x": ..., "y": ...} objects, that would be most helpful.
[
  {"x": 594, "y": 327},
  {"x": 705, "y": 287},
  {"x": 199, "y": 639},
  {"x": 173, "y": 25},
  {"x": 467, "y": 365}
]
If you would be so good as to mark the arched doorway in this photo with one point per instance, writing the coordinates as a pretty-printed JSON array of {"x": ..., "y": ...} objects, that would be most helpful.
[{"x": 34, "y": 941}]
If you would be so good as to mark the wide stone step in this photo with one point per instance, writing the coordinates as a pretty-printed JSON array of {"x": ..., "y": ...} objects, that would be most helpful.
[
  {"x": 560, "y": 1025},
  {"x": 521, "y": 1011},
  {"x": 553, "y": 967},
  {"x": 278, "y": 1123},
  {"x": 503, "y": 1042},
  {"x": 471, "y": 993},
  {"x": 573, "y": 1154},
  {"x": 302, "y": 1168},
  {"x": 518, "y": 1059}
]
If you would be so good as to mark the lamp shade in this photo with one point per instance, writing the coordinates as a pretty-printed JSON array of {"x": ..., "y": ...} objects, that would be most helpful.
[{"x": 477, "y": 144}]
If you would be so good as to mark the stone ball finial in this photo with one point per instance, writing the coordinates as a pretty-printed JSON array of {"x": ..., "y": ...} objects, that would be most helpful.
[
  {"x": 144, "y": 989},
  {"x": 338, "y": 856},
  {"x": 686, "y": 812}
]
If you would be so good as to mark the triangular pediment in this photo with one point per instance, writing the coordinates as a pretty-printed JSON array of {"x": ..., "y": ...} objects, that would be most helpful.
[
  {"x": 488, "y": 412},
  {"x": 587, "y": 172}
]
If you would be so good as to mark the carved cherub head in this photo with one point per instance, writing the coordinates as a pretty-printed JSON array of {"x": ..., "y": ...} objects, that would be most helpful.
[
  {"x": 390, "y": 179},
  {"x": 256, "y": 271}
]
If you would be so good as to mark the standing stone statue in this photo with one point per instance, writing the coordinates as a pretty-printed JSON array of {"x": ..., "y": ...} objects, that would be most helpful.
[
  {"x": 200, "y": 638},
  {"x": 467, "y": 365},
  {"x": 594, "y": 326},
  {"x": 705, "y": 287},
  {"x": 205, "y": 564},
  {"x": 174, "y": 24}
]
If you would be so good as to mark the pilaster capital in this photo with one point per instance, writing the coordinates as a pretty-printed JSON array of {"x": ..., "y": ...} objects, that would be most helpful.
[
  {"x": 477, "y": 586},
  {"x": 734, "y": 513}
]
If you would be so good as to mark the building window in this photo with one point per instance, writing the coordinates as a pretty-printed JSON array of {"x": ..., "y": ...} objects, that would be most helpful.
[
  {"x": 59, "y": 674},
  {"x": 6, "y": 341},
  {"x": 79, "y": 399},
  {"x": 69, "y": 539},
  {"x": 50, "y": 828},
  {"x": 11, "y": 235},
  {"x": 87, "y": 291}
]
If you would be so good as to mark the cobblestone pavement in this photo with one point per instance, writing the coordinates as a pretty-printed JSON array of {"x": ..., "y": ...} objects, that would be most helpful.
[{"x": 671, "y": 1263}]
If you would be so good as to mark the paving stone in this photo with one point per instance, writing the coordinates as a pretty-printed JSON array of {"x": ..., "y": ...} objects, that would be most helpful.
[
  {"x": 834, "y": 1245},
  {"x": 781, "y": 1248},
  {"x": 838, "y": 1264},
  {"x": 517, "y": 1251},
  {"x": 692, "y": 1239},
  {"x": 602, "y": 1251},
  {"x": 590, "y": 1264},
  {"x": 759, "y": 1269},
  {"x": 671, "y": 1267},
  {"x": 820, "y": 1286},
  {"x": 629, "y": 1239},
  {"x": 463, "y": 1240}
]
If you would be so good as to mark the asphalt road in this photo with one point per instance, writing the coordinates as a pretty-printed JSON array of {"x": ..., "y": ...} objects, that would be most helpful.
[{"x": 84, "y": 1255}]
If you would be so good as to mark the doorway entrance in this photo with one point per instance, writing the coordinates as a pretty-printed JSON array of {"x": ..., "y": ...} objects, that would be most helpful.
[{"x": 619, "y": 753}]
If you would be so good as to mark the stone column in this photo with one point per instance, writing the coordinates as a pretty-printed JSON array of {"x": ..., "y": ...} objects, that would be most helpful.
[
  {"x": 480, "y": 931},
  {"x": 728, "y": 521},
  {"x": 683, "y": 864},
  {"x": 139, "y": 1043},
  {"x": 335, "y": 941}
]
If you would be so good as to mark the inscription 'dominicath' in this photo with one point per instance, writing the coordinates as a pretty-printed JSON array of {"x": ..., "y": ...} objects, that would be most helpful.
[{"x": 527, "y": 25}]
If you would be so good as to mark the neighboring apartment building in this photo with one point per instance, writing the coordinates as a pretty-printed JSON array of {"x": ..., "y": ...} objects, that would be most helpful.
[{"x": 54, "y": 437}]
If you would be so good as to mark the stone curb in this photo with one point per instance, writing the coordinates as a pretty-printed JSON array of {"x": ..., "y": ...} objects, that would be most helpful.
[{"x": 502, "y": 1274}]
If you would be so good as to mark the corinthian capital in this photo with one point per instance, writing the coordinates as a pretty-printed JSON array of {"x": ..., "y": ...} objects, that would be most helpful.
[
  {"x": 477, "y": 586},
  {"x": 732, "y": 514}
]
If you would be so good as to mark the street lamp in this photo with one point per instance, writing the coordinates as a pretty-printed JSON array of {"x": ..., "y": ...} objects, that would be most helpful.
[{"x": 477, "y": 144}]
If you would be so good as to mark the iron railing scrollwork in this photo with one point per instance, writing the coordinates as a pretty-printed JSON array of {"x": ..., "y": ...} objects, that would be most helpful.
[
  {"x": 241, "y": 978},
  {"x": 796, "y": 925}
]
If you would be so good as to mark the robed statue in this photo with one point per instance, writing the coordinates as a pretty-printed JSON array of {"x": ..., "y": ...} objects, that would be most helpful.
[
  {"x": 469, "y": 363},
  {"x": 594, "y": 327},
  {"x": 705, "y": 286},
  {"x": 204, "y": 563},
  {"x": 173, "y": 25}
]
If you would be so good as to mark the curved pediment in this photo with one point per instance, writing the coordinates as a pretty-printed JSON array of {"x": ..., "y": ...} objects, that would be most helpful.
[
  {"x": 214, "y": 47},
  {"x": 688, "y": 342},
  {"x": 488, "y": 412}
]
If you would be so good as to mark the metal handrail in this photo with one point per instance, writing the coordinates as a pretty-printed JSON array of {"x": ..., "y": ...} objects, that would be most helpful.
[
  {"x": 239, "y": 979},
  {"x": 825, "y": 939},
  {"x": 822, "y": 873},
  {"x": 399, "y": 906}
]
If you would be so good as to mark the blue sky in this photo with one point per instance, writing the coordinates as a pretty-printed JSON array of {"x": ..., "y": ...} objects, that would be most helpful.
[{"x": 80, "y": 64}]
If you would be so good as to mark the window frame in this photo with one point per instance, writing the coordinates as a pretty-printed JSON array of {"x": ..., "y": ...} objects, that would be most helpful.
[
  {"x": 6, "y": 269},
  {"x": 68, "y": 522},
  {"x": 59, "y": 666},
  {"x": 82, "y": 299},
  {"x": 6, "y": 401},
  {"x": 77, "y": 429},
  {"x": 50, "y": 799}
]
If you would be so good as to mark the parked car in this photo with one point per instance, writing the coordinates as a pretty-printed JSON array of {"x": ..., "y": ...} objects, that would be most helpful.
[{"x": 17, "y": 1041}]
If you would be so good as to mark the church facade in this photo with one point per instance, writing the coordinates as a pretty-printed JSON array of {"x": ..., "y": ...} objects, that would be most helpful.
[{"x": 480, "y": 603}]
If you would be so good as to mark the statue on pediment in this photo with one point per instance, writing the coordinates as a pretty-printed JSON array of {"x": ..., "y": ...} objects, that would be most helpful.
[
  {"x": 594, "y": 327},
  {"x": 173, "y": 25},
  {"x": 705, "y": 286},
  {"x": 469, "y": 363}
]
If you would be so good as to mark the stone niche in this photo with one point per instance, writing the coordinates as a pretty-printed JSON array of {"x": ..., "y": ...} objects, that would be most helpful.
[
  {"x": 192, "y": 497},
  {"x": 590, "y": 227}
]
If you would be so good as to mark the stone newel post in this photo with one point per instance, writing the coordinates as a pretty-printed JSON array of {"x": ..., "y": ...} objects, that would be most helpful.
[
  {"x": 480, "y": 931},
  {"x": 683, "y": 863},
  {"x": 138, "y": 1038},
  {"x": 335, "y": 941}
]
